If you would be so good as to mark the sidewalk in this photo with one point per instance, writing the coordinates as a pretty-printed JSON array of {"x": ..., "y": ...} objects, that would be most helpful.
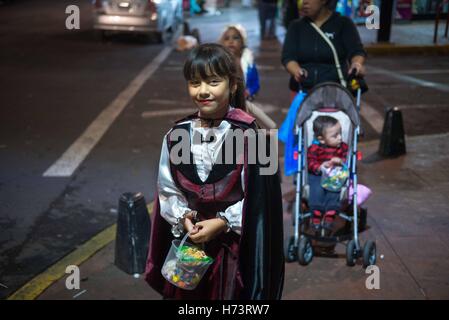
[
  {"x": 408, "y": 213},
  {"x": 414, "y": 37},
  {"x": 408, "y": 219}
]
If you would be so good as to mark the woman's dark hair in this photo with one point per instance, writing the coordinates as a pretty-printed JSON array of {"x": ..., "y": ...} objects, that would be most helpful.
[
  {"x": 211, "y": 59},
  {"x": 321, "y": 123}
]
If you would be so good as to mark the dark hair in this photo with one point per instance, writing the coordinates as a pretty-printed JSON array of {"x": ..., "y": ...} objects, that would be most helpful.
[
  {"x": 331, "y": 4},
  {"x": 321, "y": 123},
  {"x": 211, "y": 59}
]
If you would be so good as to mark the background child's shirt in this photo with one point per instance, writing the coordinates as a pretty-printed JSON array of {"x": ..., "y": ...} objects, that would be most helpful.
[
  {"x": 250, "y": 72},
  {"x": 319, "y": 153},
  {"x": 173, "y": 203}
]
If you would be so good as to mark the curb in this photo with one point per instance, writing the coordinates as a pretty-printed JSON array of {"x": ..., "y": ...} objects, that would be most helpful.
[
  {"x": 393, "y": 49},
  {"x": 36, "y": 286}
]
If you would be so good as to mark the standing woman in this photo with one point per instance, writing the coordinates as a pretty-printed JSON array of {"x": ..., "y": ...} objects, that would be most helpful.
[{"x": 307, "y": 56}]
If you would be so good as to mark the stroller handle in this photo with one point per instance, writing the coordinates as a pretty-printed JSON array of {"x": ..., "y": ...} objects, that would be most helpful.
[{"x": 356, "y": 82}]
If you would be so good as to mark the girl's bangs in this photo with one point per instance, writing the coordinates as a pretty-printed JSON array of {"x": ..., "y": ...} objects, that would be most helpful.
[{"x": 204, "y": 66}]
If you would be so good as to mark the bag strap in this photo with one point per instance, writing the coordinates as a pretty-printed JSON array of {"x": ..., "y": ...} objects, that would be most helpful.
[{"x": 337, "y": 62}]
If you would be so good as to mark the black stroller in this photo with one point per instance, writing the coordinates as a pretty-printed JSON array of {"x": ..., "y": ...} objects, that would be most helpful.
[{"x": 333, "y": 100}]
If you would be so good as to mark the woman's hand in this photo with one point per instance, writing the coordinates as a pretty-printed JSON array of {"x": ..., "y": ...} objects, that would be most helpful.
[
  {"x": 296, "y": 71},
  {"x": 357, "y": 66},
  {"x": 207, "y": 230}
]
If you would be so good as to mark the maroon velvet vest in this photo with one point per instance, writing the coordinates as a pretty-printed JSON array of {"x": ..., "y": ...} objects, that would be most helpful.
[{"x": 223, "y": 186}]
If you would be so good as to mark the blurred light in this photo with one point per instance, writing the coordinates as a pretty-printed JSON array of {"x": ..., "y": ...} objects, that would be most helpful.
[
  {"x": 124, "y": 5},
  {"x": 154, "y": 16},
  {"x": 156, "y": 1}
]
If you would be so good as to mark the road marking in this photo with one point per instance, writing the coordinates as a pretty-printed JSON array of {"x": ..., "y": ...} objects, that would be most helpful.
[
  {"x": 372, "y": 116},
  {"x": 262, "y": 67},
  {"x": 422, "y": 83},
  {"x": 172, "y": 68},
  {"x": 34, "y": 288},
  {"x": 424, "y": 71},
  {"x": 2, "y": 285},
  {"x": 422, "y": 106},
  {"x": 79, "y": 293},
  {"x": 170, "y": 102},
  {"x": 267, "y": 108},
  {"x": 78, "y": 151},
  {"x": 164, "y": 113}
]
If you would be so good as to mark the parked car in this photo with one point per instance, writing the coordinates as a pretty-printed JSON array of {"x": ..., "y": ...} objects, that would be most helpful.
[{"x": 149, "y": 17}]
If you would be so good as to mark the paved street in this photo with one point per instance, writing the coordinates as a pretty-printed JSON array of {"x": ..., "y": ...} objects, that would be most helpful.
[{"x": 56, "y": 83}]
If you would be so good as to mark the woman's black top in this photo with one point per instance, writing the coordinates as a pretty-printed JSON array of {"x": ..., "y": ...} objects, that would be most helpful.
[{"x": 304, "y": 45}]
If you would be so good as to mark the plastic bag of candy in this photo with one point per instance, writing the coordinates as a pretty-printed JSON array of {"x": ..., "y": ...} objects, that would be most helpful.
[
  {"x": 185, "y": 264},
  {"x": 334, "y": 178}
]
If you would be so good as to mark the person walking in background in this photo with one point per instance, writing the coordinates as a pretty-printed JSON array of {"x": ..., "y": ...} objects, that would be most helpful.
[
  {"x": 267, "y": 13},
  {"x": 307, "y": 56}
]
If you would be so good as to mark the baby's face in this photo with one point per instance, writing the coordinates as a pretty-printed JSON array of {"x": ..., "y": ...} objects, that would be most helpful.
[{"x": 332, "y": 136}]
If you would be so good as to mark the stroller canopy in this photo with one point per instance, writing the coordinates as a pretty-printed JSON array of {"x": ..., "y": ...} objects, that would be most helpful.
[{"x": 328, "y": 95}]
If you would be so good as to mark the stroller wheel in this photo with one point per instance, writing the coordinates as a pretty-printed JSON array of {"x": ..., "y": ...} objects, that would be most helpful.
[
  {"x": 290, "y": 250},
  {"x": 305, "y": 251},
  {"x": 369, "y": 254},
  {"x": 351, "y": 253}
]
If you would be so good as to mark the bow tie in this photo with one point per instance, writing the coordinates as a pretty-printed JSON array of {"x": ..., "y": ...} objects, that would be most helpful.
[{"x": 204, "y": 140}]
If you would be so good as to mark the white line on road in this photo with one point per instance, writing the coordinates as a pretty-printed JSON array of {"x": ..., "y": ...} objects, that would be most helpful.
[
  {"x": 267, "y": 108},
  {"x": 79, "y": 293},
  {"x": 416, "y": 71},
  {"x": 372, "y": 116},
  {"x": 78, "y": 151},
  {"x": 170, "y": 102},
  {"x": 163, "y": 113},
  {"x": 422, "y": 106},
  {"x": 422, "y": 83}
]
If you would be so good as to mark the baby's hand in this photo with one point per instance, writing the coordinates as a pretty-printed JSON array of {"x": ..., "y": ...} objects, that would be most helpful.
[
  {"x": 326, "y": 164},
  {"x": 207, "y": 230},
  {"x": 337, "y": 161}
]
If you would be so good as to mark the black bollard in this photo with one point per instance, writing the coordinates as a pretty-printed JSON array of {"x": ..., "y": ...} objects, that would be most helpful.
[
  {"x": 133, "y": 233},
  {"x": 392, "y": 142}
]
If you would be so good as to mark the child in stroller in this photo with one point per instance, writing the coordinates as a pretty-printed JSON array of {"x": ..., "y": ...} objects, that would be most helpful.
[
  {"x": 327, "y": 151},
  {"x": 328, "y": 100}
]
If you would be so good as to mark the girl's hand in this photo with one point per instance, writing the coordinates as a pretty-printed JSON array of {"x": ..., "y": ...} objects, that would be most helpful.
[
  {"x": 207, "y": 230},
  {"x": 188, "y": 224}
]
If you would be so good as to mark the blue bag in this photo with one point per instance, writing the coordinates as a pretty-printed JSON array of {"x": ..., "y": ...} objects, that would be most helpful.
[{"x": 287, "y": 135}]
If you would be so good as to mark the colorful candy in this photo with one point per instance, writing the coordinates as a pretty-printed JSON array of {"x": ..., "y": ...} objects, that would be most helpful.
[
  {"x": 187, "y": 267},
  {"x": 333, "y": 179}
]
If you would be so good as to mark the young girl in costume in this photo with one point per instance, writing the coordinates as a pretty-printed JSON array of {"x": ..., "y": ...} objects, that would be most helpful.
[
  {"x": 234, "y": 38},
  {"x": 230, "y": 209}
]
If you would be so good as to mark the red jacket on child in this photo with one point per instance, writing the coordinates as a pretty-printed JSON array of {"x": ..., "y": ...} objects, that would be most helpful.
[{"x": 319, "y": 153}]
